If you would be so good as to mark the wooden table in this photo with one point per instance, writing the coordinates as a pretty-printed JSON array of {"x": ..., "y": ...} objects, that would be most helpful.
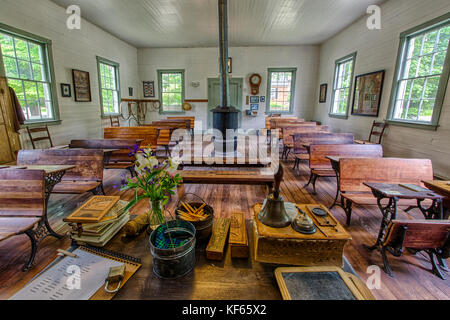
[
  {"x": 53, "y": 176},
  {"x": 394, "y": 192},
  {"x": 230, "y": 279}
]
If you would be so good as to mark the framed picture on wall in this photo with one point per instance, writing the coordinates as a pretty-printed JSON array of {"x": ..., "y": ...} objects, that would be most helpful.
[
  {"x": 367, "y": 94},
  {"x": 254, "y": 99},
  {"x": 323, "y": 93},
  {"x": 254, "y": 107},
  {"x": 149, "y": 89},
  {"x": 81, "y": 86},
  {"x": 66, "y": 91}
]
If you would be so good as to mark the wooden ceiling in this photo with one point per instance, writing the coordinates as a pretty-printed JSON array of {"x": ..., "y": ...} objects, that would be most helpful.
[{"x": 194, "y": 23}]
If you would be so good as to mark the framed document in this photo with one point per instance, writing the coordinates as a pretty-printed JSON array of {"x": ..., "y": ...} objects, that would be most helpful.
[{"x": 82, "y": 86}]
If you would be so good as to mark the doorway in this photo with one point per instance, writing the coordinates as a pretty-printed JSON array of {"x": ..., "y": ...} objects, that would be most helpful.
[{"x": 236, "y": 85}]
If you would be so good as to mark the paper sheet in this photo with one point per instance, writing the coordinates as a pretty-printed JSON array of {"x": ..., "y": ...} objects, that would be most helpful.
[{"x": 70, "y": 279}]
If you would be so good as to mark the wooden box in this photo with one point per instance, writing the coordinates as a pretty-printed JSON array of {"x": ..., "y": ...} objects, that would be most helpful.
[
  {"x": 287, "y": 247},
  {"x": 216, "y": 247},
  {"x": 238, "y": 236}
]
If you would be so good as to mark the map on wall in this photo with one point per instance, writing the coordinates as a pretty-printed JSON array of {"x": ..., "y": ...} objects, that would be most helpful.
[{"x": 367, "y": 95}]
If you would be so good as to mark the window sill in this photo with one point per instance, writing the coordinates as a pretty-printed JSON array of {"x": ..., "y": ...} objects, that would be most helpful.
[
  {"x": 172, "y": 112},
  {"x": 338, "y": 116},
  {"x": 106, "y": 116},
  {"x": 413, "y": 125},
  {"x": 42, "y": 123}
]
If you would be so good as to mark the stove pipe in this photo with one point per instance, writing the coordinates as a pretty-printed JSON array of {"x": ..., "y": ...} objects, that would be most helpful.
[{"x": 224, "y": 116}]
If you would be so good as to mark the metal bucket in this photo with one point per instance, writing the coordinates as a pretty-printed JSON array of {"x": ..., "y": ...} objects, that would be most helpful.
[{"x": 178, "y": 262}]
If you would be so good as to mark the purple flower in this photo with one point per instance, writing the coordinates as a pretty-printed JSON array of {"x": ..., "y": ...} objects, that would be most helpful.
[{"x": 134, "y": 150}]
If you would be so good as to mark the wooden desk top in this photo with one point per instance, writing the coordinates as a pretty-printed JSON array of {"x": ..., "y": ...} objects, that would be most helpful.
[
  {"x": 49, "y": 169},
  {"x": 398, "y": 191},
  {"x": 441, "y": 187},
  {"x": 231, "y": 279}
]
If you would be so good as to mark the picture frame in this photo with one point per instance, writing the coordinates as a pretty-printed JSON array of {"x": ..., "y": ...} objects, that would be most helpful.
[
  {"x": 81, "y": 86},
  {"x": 254, "y": 107},
  {"x": 367, "y": 94},
  {"x": 149, "y": 89},
  {"x": 254, "y": 99},
  {"x": 262, "y": 99},
  {"x": 66, "y": 90},
  {"x": 323, "y": 93}
]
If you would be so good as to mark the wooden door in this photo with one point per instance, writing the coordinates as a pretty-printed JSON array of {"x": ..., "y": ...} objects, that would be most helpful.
[
  {"x": 9, "y": 139},
  {"x": 236, "y": 85}
]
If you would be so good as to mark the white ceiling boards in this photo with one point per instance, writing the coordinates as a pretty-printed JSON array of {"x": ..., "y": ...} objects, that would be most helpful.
[{"x": 194, "y": 23}]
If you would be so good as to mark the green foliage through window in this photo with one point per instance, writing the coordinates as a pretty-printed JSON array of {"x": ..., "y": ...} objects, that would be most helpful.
[
  {"x": 171, "y": 90},
  {"x": 418, "y": 83},
  {"x": 109, "y": 86},
  {"x": 28, "y": 74},
  {"x": 342, "y": 86}
]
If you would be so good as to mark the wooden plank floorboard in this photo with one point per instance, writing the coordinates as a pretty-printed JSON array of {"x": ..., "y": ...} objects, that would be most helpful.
[{"x": 413, "y": 279}]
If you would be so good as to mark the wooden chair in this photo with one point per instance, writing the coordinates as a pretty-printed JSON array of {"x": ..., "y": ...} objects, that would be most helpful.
[
  {"x": 378, "y": 129},
  {"x": 301, "y": 153},
  {"x": 119, "y": 159},
  {"x": 45, "y": 137},
  {"x": 115, "y": 121},
  {"x": 87, "y": 176},
  {"x": 354, "y": 172},
  {"x": 420, "y": 235},
  {"x": 289, "y": 132},
  {"x": 22, "y": 206},
  {"x": 321, "y": 166}
]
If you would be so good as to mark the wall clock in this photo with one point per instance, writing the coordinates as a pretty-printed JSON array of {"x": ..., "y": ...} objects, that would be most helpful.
[{"x": 255, "y": 83}]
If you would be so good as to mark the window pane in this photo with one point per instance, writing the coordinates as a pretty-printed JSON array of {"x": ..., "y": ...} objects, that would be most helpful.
[
  {"x": 22, "y": 49},
  {"x": 7, "y": 45},
  {"x": 35, "y": 52},
  {"x": 30, "y": 91},
  {"x": 24, "y": 70},
  {"x": 281, "y": 91},
  {"x": 429, "y": 43},
  {"x": 38, "y": 72},
  {"x": 17, "y": 86},
  {"x": 11, "y": 67}
]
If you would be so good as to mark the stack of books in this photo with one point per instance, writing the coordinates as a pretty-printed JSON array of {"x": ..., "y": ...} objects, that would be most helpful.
[{"x": 98, "y": 220}]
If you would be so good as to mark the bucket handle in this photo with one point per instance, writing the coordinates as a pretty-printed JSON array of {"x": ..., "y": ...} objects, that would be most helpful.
[{"x": 184, "y": 198}]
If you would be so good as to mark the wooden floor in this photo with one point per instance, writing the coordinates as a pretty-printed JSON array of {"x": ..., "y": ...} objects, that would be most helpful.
[{"x": 413, "y": 280}]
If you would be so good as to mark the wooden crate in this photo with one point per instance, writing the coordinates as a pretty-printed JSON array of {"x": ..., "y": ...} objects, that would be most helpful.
[{"x": 288, "y": 247}]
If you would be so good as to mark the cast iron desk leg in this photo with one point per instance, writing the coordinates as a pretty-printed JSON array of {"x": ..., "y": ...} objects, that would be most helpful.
[{"x": 389, "y": 213}]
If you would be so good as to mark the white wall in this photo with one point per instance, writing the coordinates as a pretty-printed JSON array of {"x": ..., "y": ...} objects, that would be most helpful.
[
  {"x": 73, "y": 49},
  {"x": 377, "y": 50},
  {"x": 202, "y": 63}
]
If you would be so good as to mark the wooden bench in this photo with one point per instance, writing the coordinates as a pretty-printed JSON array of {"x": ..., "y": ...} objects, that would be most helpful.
[
  {"x": 311, "y": 138},
  {"x": 148, "y": 134},
  {"x": 119, "y": 159},
  {"x": 321, "y": 166},
  {"x": 22, "y": 205},
  {"x": 289, "y": 132},
  {"x": 87, "y": 176},
  {"x": 355, "y": 172},
  {"x": 269, "y": 121},
  {"x": 191, "y": 119},
  {"x": 242, "y": 177}
]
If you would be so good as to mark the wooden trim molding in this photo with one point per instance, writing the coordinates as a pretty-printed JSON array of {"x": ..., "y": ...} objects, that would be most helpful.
[{"x": 197, "y": 100}]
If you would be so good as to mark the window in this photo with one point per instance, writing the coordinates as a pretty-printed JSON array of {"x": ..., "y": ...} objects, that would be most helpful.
[
  {"x": 171, "y": 90},
  {"x": 422, "y": 75},
  {"x": 281, "y": 86},
  {"x": 343, "y": 78},
  {"x": 29, "y": 69},
  {"x": 109, "y": 83}
]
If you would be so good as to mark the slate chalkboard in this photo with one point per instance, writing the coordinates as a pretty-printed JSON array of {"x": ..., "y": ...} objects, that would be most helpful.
[{"x": 317, "y": 286}]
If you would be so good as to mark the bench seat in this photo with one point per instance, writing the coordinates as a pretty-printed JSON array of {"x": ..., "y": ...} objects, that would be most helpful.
[
  {"x": 324, "y": 173},
  {"x": 76, "y": 187},
  {"x": 10, "y": 227},
  {"x": 119, "y": 165},
  {"x": 367, "y": 199},
  {"x": 226, "y": 177}
]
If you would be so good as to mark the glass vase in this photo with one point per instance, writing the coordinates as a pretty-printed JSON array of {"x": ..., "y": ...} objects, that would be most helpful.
[{"x": 156, "y": 214}]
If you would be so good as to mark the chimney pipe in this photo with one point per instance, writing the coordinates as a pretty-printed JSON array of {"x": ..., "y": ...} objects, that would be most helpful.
[{"x": 223, "y": 30}]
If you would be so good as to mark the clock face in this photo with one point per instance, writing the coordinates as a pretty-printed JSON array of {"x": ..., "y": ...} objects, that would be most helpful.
[{"x": 254, "y": 80}]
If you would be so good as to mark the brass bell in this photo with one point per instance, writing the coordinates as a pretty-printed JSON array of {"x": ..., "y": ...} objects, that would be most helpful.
[{"x": 274, "y": 214}]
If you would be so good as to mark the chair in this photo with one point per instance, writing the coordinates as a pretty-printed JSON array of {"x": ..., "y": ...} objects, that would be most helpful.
[
  {"x": 115, "y": 121},
  {"x": 378, "y": 129},
  {"x": 419, "y": 235},
  {"x": 22, "y": 207},
  {"x": 33, "y": 139}
]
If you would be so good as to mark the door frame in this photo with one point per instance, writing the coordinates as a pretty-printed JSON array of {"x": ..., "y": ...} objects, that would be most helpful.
[{"x": 240, "y": 83}]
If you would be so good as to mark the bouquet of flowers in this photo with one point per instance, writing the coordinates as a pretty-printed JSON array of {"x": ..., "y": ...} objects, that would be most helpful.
[{"x": 156, "y": 182}]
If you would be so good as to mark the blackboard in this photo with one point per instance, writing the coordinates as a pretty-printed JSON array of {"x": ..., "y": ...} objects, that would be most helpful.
[{"x": 321, "y": 285}]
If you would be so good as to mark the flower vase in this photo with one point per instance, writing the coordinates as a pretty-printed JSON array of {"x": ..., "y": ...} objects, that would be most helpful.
[{"x": 155, "y": 215}]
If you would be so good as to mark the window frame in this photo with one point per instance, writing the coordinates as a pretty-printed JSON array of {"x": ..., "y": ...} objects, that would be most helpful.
[
  {"x": 338, "y": 62},
  {"x": 183, "y": 91},
  {"x": 269, "y": 91},
  {"x": 399, "y": 68},
  {"x": 116, "y": 65},
  {"x": 47, "y": 48}
]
